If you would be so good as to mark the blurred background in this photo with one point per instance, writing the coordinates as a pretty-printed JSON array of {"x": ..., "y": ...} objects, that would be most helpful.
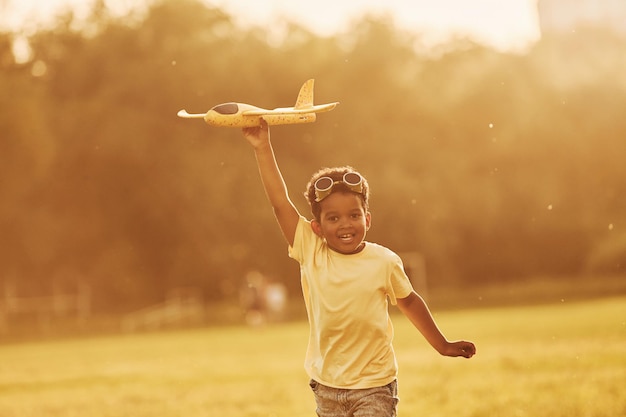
[{"x": 496, "y": 171}]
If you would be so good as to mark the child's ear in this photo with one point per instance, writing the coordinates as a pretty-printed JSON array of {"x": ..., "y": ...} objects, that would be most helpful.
[
  {"x": 317, "y": 227},
  {"x": 368, "y": 220}
]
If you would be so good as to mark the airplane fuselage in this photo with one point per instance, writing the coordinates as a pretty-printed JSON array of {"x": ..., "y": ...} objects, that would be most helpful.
[
  {"x": 232, "y": 115},
  {"x": 246, "y": 115}
]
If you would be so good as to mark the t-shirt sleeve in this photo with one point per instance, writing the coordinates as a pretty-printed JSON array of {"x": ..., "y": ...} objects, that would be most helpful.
[
  {"x": 300, "y": 239},
  {"x": 399, "y": 283}
]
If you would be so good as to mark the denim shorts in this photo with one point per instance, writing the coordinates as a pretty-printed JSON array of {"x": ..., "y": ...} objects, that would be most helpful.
[{"x": 368, "y": 402}]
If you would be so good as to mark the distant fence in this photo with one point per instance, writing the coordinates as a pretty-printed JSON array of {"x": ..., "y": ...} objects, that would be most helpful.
[
  {"x": 43, "y": 309},
  {"x": 181, "y": 307}
]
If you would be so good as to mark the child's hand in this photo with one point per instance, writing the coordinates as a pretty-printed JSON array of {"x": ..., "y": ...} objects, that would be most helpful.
[
  {"x": 258, "y": 135},
  {"x": 461, "y": 348}
]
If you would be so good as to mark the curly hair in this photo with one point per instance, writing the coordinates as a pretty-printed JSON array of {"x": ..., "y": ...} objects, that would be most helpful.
[{"x": 336, "y": 173}]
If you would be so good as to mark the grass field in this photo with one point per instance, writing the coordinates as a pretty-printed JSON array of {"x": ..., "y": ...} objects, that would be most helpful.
[{"x": 562, "y": 360}]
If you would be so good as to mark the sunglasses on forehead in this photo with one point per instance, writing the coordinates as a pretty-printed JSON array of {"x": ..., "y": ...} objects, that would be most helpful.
[{"x": 324, "y": 185}]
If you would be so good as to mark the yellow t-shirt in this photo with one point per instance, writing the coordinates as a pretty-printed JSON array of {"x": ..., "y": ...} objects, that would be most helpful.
[{"x": 346, "y": 302}]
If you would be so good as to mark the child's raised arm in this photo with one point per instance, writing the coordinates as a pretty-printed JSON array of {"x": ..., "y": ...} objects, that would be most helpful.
[{"x": 286, "y": 213}]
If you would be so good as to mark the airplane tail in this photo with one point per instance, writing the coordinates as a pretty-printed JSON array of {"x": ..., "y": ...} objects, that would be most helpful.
[{"x": 305, "y": 96}]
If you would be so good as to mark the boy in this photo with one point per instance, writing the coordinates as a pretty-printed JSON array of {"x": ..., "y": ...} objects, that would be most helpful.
[{"x": 346, "y": 282}]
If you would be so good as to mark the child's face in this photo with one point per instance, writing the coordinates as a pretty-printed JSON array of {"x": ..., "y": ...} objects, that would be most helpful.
[{"x": 343, "y": 222}]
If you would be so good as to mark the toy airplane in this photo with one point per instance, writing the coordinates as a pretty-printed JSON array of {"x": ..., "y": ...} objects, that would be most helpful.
[{"x": 246, "y": 115}]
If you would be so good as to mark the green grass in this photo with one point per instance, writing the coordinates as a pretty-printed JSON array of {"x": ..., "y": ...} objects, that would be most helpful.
[{"x": 562, "y": 360}]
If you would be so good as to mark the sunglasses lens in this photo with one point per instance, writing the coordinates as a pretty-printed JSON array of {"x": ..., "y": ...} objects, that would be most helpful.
[
  {"x": 352, "y": 178},
  {"x": 324, "y": 183}
]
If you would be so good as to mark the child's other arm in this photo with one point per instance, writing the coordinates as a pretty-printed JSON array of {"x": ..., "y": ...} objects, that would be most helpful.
[
  {"x": 418, "y": 313},
  {"x": 286, "y": 213}
]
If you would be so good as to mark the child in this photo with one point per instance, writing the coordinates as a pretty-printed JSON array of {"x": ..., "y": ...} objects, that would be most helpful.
[{"x": 346, "y": 282}]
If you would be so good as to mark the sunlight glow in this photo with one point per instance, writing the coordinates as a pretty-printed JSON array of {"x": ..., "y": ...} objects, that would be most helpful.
[{"x": 503, "y": 25}]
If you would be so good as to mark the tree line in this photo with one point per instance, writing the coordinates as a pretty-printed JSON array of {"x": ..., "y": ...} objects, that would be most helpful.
[{"x": 494, "y": 166}]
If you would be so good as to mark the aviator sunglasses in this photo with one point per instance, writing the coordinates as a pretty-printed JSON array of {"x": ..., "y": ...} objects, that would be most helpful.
[{"x": 324, "y": 185}]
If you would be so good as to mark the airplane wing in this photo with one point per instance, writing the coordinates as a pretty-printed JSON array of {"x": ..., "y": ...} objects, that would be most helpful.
[{"x": 290, "y": 110}]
